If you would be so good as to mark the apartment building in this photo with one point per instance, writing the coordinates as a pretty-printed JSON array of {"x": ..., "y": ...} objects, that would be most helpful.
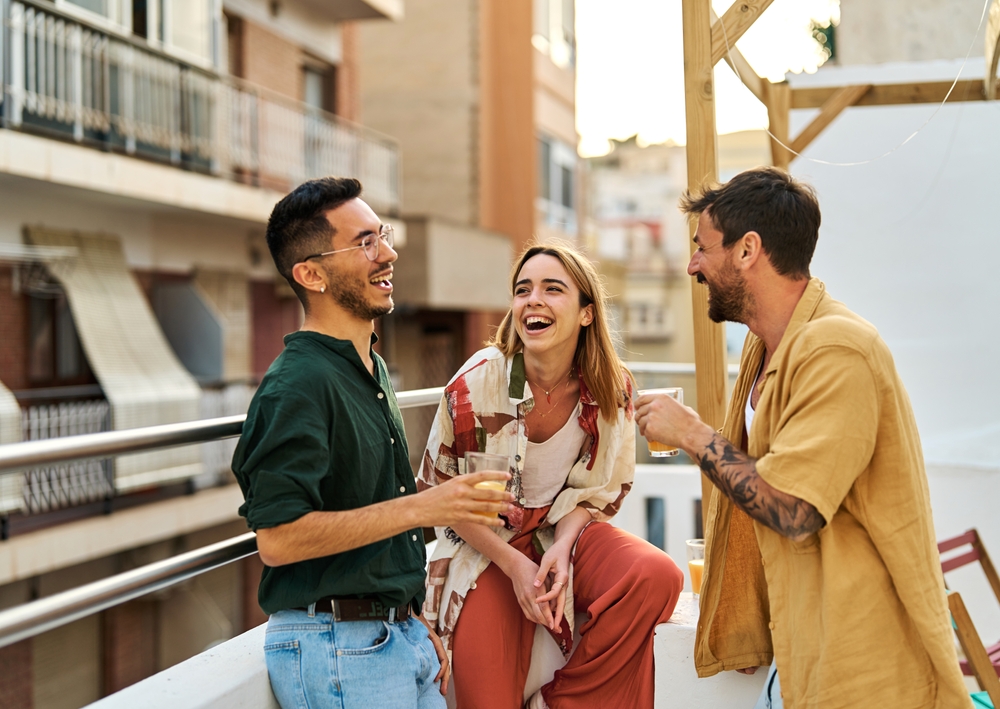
[
  {"x": 142, "y": 146},
  {"x": 481, "y": 96},
  {"x": 639, "y": 236}
]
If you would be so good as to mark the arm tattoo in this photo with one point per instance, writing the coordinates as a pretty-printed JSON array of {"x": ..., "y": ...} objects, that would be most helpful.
[{"x": 735, "y": 473}]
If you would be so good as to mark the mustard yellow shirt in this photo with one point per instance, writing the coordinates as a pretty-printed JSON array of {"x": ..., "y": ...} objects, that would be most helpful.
[{"x": 856, "y": 612}]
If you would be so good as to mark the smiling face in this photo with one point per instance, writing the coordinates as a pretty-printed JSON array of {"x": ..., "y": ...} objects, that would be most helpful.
[
  {"x": 546, "y": 309},
  {"x": 712, "y": 265},
  {"x": 358, "y": 286}
]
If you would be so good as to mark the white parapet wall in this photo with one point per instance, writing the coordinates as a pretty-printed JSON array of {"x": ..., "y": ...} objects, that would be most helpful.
[{"x": 233, "y": 675}]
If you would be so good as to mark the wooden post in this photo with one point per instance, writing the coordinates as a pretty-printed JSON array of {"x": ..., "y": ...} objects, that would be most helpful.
[
  {"x": 703, "y": 169},
  {"x": 779, "y": 104}
]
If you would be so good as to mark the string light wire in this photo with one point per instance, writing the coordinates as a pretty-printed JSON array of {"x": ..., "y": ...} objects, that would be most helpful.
[{"x": 912, "y": 135}]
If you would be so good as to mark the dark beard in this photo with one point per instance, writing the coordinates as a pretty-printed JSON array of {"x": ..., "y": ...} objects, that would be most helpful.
[
  {"x": 729, "y": 302},
  {"x": 351, "y": 297}
]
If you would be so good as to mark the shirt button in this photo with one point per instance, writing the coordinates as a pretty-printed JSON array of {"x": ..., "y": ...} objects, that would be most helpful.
[
  {"x": 402, "y": 488},
  {"x": 381, "y": 395},
  {"x": 414, "y": 537},
  {"x": 473, "y": 586},
  {"x": 392, "y": 440},
  {"x": 771, "y": 625},
  {"x": 517, "y": 458},
  {"x": 523, "y": 501}
]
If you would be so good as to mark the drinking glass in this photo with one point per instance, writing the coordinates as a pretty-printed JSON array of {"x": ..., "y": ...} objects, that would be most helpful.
[
  {"x": 480, "y": 462},
  {"x": 696, "y": 562},
  {"x": 657, "y": 449}
]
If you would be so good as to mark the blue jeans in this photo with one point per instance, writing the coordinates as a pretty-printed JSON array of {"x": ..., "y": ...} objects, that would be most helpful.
[
  {"x": 770, "y": 698},
  {"x": 316, "y": 663}
]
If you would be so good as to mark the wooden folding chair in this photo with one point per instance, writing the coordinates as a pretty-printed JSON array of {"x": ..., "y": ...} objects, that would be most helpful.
[{"x": 981, "y": 662}]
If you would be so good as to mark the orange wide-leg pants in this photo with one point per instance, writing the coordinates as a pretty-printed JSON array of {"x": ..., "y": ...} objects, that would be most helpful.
[{"x": 626, "y": 586}]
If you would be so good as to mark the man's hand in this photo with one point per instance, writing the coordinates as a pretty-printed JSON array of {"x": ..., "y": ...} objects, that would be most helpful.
[
  {"x": 458, "y": 501},
  {"x": 444, "y": 674},
  {"x": 663, "y": 420}
]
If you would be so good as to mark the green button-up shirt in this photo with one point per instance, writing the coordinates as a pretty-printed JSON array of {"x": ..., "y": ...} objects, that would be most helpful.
[{"x": 322, "y": 434}]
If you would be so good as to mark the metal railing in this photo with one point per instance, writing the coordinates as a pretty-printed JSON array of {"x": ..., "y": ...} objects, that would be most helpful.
[
  {"x": 51, "y": 612},
  {"x": 88, "y": 85}
]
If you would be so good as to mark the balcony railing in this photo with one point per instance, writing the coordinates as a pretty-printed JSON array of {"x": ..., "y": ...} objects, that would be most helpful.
[{"x": 64, "y": 78}]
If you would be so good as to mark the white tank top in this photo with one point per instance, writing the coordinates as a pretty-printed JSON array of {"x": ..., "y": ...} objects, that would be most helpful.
[{"x": 547, "y": 464}]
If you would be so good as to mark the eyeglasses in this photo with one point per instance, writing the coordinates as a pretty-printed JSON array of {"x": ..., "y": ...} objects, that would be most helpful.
[{"x": 370, "y": 244}]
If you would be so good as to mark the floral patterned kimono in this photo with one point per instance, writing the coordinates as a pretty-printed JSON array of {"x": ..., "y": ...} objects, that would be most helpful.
[{"x": 483, "y": 409}]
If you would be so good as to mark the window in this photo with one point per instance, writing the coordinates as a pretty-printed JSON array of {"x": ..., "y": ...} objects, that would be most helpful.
[
  {"x": 317, "y": 86},
  {"x": 555, "y": 30},
  {"x": 55, "y": 355},
  {"x": 557, "y": 183}
]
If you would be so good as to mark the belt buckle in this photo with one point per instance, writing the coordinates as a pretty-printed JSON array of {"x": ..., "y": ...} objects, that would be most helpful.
[{"x": 335, "y": 608}]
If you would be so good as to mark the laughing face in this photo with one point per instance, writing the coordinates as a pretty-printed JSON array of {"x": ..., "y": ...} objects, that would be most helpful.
[
  {"x": 712, "y": 266},
  {"x": 359, "y": 286},
  {"x": 546, "y": 310}
]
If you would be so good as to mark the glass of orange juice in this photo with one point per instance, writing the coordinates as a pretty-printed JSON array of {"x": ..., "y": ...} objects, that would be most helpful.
[
  {"x": 696, "y": 562},
  {"x": 480, "y": 462},
  {"x": 657, "y": 449}
]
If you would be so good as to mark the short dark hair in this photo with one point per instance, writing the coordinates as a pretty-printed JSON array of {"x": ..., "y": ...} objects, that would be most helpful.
[
  {"x": 769, "y": 201},
  {"x": 298, "y": 226}
]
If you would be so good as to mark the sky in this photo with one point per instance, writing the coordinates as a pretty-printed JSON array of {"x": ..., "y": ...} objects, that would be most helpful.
[{"x": 630, "y": 67}]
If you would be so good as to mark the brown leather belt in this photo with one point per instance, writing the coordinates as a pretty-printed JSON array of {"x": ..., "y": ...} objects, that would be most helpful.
[{"x": 360, "y": 609}]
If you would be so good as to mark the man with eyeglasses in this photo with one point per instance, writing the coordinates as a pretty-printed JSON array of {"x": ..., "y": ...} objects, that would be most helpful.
[
  {"x": 821, "y": 558},
  {"x": 325, "y": 474}
]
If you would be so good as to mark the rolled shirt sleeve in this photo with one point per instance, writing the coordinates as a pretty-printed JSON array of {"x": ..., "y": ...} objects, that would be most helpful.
[
  {"x": 825, "y": 436},
  {"x": 285, "y": 457}
]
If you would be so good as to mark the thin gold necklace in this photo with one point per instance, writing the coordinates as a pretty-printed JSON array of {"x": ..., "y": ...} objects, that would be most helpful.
[{"x": 564, "y": 381}]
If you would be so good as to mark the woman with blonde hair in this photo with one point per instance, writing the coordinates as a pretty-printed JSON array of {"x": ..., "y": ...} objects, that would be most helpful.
[{"x": 551, "y": 394}]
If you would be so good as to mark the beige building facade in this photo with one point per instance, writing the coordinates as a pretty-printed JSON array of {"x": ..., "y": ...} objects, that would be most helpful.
[
  {"x": 481, "y": 96},
  {"x": 142, "y": 148}
]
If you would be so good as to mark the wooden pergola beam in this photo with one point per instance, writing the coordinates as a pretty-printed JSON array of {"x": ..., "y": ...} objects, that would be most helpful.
[
  {"x": 895, "y": 94},
  {"x": 834, "y": 106},
  {"x": 992, "y": 52},
  {"x": 703, "y": 170},
  {"x": 734, "y": 24},
  {"x": 741, "y": 67}
]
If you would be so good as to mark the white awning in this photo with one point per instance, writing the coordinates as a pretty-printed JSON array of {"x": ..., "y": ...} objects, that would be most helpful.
[
  {"x": 11, "y": 498},
  {"x": 141, "y": 377}
]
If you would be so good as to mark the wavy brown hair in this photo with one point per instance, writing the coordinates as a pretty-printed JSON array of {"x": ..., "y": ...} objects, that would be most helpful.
[{"x": 596, "y": 360}]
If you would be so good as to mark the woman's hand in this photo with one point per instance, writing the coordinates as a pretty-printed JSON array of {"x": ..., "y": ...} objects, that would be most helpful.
[
  {"x": 522, "y": 576},
  {"x": 553, "y": 573}
]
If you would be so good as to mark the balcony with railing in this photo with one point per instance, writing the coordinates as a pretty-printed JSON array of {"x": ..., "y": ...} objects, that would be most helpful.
[{"x": 66, "y": 79}]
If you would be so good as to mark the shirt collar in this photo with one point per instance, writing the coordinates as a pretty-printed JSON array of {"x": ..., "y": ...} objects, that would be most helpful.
[{"x": 803, "y": 313}]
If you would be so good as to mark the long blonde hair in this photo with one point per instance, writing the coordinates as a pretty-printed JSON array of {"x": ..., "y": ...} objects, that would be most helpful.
[{"x": 596, "y": 360}]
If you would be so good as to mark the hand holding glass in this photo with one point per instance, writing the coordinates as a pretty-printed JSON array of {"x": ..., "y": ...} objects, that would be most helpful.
[
  {"x": 657, "y": 449},
  {"x": 482, "y": 462}
]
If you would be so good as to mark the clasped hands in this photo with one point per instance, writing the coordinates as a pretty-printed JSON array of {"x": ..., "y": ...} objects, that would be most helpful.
[{"x": 541, "y": 588}]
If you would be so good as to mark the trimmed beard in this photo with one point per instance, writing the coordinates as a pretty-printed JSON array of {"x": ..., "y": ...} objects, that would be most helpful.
[
  {"x": 729, "y": 300},
  {"x": 350, "y": 295}
]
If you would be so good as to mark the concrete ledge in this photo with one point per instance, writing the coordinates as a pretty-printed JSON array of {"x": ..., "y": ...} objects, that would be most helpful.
[
  {"x": 677, "y": 683},
  {"x": 80, "y": 166},
  {"x": 233, "y": 675},
  {"x": 229, "y": 676}
]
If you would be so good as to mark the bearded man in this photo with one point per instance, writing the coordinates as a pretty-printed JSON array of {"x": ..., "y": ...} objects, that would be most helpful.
[
  {"x": 326, "y": 477},
  {"x": 821, "y": 557}
]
